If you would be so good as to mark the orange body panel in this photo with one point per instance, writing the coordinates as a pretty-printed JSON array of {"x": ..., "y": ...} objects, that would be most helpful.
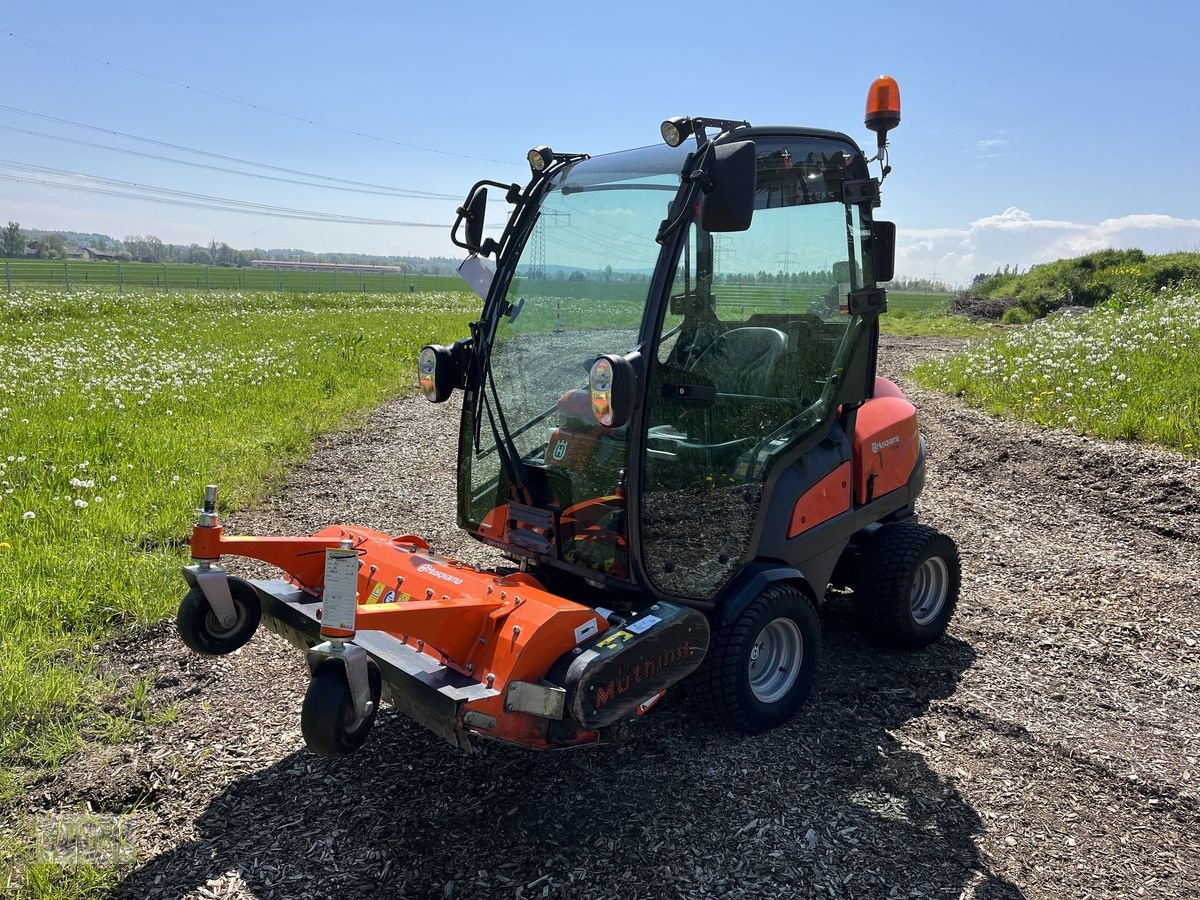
[
  {"x": 827, "y": 498},
  {"x": 887, "y": 443},
  {"x": 885, "y": 388}
]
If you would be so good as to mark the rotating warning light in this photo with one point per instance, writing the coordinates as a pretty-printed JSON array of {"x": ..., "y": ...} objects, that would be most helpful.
[{"x": 883, "y": 105}]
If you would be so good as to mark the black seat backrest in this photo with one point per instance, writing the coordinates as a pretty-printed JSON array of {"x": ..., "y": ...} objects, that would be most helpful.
[{"x": 741, "y": 360}]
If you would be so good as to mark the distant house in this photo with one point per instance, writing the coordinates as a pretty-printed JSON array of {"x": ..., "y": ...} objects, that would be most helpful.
[
  {"x": 33, "y": 248},
  {"x": 89, "y": 253},
  {"x": 76, "y": 253}
]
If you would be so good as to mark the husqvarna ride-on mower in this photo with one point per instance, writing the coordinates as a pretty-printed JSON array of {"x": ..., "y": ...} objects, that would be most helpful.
[{"x": 671, "y": 424}]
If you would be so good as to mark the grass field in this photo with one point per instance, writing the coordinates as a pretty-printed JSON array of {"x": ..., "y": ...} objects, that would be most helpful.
[
  {"x": 1126, "y": 369},
  {"x": 910, "y": 314},
  {"x": 114, "y": 412},
  {"x": 97, "y": 275}
]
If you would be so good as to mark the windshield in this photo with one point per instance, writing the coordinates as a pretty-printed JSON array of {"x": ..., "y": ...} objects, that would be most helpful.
[{"x": 579, "y": 289}]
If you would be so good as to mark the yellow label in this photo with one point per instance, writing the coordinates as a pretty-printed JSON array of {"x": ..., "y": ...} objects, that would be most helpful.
[
  {"x": 611, "y": 640},
  {"x": 376, "y": 593}
]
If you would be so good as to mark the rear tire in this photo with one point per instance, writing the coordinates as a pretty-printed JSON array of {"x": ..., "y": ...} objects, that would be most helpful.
[
  {"x": 907, "y": 588},
  {"x": 761, "y": 667},
  {"x": 327, "y": 718},
  {"x": 202, "y": 631}
]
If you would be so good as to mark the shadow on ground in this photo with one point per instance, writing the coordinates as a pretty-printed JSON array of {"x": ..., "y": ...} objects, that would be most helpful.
[{"x": 829, "y": 805}]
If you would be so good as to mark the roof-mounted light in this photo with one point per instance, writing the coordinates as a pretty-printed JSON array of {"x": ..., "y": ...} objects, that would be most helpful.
[
  {"x": 540, "y": 157},
  {"x": 883, "y": 106},
  {"x": 676, "y": 130}
]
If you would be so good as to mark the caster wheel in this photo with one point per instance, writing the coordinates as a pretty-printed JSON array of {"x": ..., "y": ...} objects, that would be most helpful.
[
  {"x": 203, "y": 632},
  {"x": 327, "y": 719}
]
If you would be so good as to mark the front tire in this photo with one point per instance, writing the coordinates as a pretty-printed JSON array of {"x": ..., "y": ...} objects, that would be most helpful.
[
  {"x": 201, "y": 630},
  {"x": 908, "y": 587},
  {"x": 327, "y": 718},
  {"x": 761, "y": 668}
]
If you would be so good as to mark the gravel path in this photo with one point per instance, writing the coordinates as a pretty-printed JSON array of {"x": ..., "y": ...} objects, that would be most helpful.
[{"x": 1047, "y": 747}]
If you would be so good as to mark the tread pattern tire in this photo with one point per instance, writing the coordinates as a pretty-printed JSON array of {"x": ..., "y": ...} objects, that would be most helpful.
[
  {"x": 883, "y": 586},
  {"x": 327, "y": 716},
  {"x": 721, "y": 686},
  {"x": 198, "y": 626}
]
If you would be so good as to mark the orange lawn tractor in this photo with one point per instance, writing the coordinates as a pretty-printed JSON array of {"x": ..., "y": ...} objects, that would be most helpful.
[{"x": 671, "y": 424}]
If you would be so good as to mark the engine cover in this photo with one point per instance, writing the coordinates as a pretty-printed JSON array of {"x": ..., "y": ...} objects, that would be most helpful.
[{"x": 631, "y": 663}]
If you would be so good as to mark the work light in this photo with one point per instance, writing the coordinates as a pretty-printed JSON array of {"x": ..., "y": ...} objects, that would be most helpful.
[
  {"x": 540, "y": 157},
  {"x": 676, "y": 130}
]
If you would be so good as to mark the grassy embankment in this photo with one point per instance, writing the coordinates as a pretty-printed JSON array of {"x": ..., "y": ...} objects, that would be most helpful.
[
  {"x": 1087, "y": 280},
  {"x": 114, "y": 412},
  {"x": 1130, "y": 368}
]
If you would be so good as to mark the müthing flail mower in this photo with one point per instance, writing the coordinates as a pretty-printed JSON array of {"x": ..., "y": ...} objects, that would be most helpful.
[{"x": 673, "y": 428}]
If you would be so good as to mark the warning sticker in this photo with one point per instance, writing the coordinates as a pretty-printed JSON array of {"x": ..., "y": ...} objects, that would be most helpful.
[
  {"x": 376, "y": 593},
  {"x": 586, "y": 630},
  {"x": 645, "y": 623},
  {"x": 340, "y": 596}
]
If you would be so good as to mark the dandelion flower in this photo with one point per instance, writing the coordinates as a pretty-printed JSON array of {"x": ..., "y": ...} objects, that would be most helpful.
[
  {"x": 80, "y": 503},
  {"x": 29, "y": 515}
]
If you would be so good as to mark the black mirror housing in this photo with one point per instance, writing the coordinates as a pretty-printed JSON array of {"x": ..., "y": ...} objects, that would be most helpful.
[
  {"x": 883, "y": 251},
  {"x": 476, "y": 212},
  {"x": 727, "y": 203}
]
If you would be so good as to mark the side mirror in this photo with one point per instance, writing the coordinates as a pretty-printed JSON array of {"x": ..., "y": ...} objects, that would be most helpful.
[
  {"x": 883, "y": 251},
  {"x": 476, "y": 212},
  {"x": 728, "y": 204}
]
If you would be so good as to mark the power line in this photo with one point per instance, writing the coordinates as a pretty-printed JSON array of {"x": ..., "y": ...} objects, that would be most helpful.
[
  {"x": 207, "y": 153},
  {"x": 413, "y": 195},
  {"x": 254, "y": 106},
  {"x": 167, "y": 196}
]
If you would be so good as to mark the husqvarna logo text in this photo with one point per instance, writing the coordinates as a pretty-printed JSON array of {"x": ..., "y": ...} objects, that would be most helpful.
[
  {"x": 438, "y": 573},
  {"x": 560, "y": 449},
  {"x": 876, "y": 446}
]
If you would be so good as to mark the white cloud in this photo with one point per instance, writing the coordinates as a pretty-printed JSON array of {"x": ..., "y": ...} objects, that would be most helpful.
[{"x": 1014, "y": 237}]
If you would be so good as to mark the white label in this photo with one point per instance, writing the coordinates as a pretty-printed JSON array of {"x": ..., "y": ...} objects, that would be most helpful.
[
  {"x": 586, "y": 630},
  {"x": 340, "y": 597},
  {"x": 643, "y": 624},
  {"x": 478, "y": 274}
]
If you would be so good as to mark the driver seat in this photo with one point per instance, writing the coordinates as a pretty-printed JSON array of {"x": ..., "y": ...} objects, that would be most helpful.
[{"x": 742, "y": 360}]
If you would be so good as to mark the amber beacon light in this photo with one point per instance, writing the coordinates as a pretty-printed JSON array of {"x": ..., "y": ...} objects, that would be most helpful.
[{"x": 883, "y": 106}]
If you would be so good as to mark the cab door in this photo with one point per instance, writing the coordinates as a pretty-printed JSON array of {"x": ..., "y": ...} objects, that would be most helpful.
[{"x": 748, "y": 363}]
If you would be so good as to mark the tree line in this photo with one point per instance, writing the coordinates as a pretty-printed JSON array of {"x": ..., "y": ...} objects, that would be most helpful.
[{"x": 149, "y": 248}]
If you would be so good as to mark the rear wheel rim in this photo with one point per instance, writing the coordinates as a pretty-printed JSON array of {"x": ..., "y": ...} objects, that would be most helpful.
[
  {"x": 931, "y": 585},
  {"x": 775, "y": 660}
]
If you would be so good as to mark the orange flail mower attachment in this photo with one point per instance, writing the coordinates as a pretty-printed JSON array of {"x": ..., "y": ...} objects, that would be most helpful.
[{"x": 495, "y": 629}]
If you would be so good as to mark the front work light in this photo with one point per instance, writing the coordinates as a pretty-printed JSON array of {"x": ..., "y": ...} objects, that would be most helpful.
[
  {"x": 540, "y": 157},
  {"x": 676, "y": 130},
  {"x": 611, "y": 389},
  {"x": 435, "y": 372}
]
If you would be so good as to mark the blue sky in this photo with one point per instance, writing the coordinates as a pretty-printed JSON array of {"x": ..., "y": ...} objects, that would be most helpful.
[{"x": 1030, "y": 130}]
